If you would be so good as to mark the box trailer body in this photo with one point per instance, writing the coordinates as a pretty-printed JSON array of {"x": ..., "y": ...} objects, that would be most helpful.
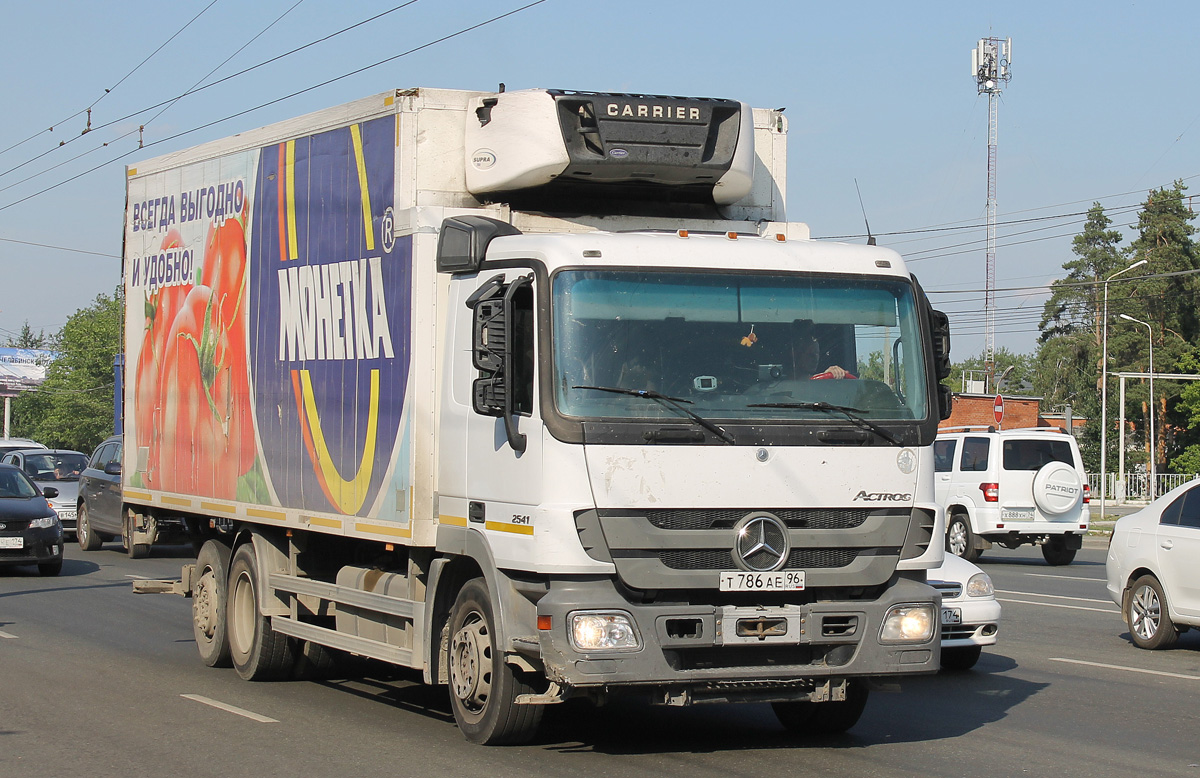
[{"x": 460, "y": 380}]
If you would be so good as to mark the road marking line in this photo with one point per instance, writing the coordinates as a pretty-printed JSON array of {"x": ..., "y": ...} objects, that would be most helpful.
[
  {"x": 139, "y": 577},
  {"x": 1054, "y": 596},
  {"x": 1057, "y": 605},
  {"x": 230, "y": 708},
  {"x": 1066, "y": 577},
  {"x": 1127, "y": 669},
  {"x": 4, "y": 634}
]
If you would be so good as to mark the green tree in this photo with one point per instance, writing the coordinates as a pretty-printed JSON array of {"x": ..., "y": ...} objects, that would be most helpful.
[
  {"x": 74, "y": 406},
  {"x": 1168, "y": 303},
  {"x": 1021, "y": 374},
  {"x": 26, "y": 338}
]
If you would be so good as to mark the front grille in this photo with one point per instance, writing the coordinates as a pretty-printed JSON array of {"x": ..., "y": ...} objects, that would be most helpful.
[
  {"x": 950, "y": 589},
  {"x": 13, "y": 553},
  {"x": 722, "y": 559},
  {"x": 957, "y": 631},
  {"x": 794, "y": 518}
]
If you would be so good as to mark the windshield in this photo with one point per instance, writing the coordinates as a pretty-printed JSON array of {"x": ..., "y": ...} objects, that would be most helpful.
[
  {"x": 55, "y": 467},
  {"x": 13, "y": 483},
  {"x": 736, "y": 346}
]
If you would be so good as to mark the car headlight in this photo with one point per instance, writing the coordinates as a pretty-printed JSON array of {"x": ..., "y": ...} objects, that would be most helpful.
[
  {"x": 604, "y": 631},
  {"x": 46, "y": 522},
  {"x": 908, "y": 624},
  {"x": 980, "y": 585}
]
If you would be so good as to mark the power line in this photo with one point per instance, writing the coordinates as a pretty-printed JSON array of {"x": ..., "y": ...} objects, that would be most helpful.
[
  {"x": 280, "y": 99},
  {"x": 109, "y": 89},
  {"x": 59, "y": 248},
  {"x": 198, "y": 88}
]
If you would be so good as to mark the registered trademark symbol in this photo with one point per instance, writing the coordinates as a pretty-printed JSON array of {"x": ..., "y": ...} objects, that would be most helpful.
[{"x": 389, "y": 230}]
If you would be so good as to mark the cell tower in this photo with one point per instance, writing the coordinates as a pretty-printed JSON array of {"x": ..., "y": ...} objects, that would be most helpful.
[{"x": 990, "y": 61}]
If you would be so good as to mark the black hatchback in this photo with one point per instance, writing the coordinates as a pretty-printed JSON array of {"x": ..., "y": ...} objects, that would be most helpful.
[{"x": 30, "y": 531}]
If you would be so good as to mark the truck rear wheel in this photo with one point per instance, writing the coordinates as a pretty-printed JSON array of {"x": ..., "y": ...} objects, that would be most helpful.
[
  {"x": 824, "y": 718},
  {"x": 134, "y": 550},
  {"x": 259, "y": 653},
  {"x": 483, "y": 688},
  {"x": 209, "y": 602}
]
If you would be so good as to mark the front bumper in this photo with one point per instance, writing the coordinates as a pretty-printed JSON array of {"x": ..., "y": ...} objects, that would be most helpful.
[
  {"x": 693, "y": 652},
  {"x": 36, "y": 546},
  {"x": 980, "y": 624}
]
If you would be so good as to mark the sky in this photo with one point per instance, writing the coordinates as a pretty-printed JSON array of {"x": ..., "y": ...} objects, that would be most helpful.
[{"x": 1100, "y": 108}]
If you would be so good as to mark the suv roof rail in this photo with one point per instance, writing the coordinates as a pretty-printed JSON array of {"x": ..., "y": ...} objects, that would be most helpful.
[
  {"x": 968, "y": 428},
  {"x": 1062, "y": 430}
]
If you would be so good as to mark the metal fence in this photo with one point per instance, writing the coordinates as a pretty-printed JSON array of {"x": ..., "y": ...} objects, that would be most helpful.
[{"x": 1137, "y": 486}]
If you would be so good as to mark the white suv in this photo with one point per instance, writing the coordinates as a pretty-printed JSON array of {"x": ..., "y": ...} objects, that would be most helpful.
[{"x": 1011, "y": 487}]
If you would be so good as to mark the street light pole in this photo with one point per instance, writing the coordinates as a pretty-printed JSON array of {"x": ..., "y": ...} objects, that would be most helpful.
[
  {"x": 1153, "y": 442},
  {"x": 1104, "y": 393}
]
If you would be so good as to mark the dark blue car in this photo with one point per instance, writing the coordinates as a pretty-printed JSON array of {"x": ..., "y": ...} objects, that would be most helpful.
[{"x": 30, "y": 530}]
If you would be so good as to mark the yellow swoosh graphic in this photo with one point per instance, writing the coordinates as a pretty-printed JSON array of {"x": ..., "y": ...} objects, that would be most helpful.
[{"x": 348, "y": 496}]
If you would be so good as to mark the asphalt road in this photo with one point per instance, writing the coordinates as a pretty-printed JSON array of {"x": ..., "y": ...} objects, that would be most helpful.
[{"x": 98, "y": 681}]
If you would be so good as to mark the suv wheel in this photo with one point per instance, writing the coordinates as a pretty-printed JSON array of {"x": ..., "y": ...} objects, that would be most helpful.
[
  {"x": 1056, "y": 552},
  {"x": 960, "y": 541}
]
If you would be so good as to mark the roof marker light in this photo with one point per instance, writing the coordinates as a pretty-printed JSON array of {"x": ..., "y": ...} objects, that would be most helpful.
[
  {"x": 590, "y": 253},
  {"x": 731, "y": 235},
  {"x": 782, "y": 238},
  {"x": 682, "y": 233}
]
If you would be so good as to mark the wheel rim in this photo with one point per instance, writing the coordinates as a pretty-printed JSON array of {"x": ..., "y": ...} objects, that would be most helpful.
[
  {"x": 82, "y": 530},
  {"x": 125, "y": 539},
  {"x": 958, "y": 538},
  {"x": 471, "y": 663},
  {"x": 203, "y": 600},
  {"x": 241, "y": 616},
  {"x": 1145, "y": 612}
]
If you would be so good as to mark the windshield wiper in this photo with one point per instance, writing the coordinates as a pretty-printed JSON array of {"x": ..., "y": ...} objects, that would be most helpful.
[
  {"x": 850, "y": 413},
  {"x": 671, "y": 402}
]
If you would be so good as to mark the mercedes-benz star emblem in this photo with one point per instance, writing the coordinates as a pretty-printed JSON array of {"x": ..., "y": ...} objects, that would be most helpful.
[{"x": 761, "y": 543}]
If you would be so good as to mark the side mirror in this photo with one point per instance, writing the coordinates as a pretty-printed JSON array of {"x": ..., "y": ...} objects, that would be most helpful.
[
  {"x": 112, "y": 468},
  {"x": 494, "y": 353},
  {"x": 939, "y": 331},
  {"x": 49, "y": 492},
  {"x": 945, "y": 401}
]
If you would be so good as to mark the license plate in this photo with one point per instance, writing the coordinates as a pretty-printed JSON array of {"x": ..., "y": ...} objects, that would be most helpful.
[
  {"x": 781, "y": 581},
  {"x": 66, "y": 514},
  {"x": 952, "y": 615},
  {"x": 1016, "y": 514},
  {"x": 17, "y": 542}
]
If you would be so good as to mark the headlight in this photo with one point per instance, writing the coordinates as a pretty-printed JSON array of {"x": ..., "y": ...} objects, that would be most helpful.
[
  {"x": 980, "y": 585},
  {"x": 907, "y": 624},
  {"x": 46, "y": 522},
  {"x": 604, "y": 631}
]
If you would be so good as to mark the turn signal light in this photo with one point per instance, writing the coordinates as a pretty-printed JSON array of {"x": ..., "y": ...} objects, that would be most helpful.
[{"x": 991, "y": 492}]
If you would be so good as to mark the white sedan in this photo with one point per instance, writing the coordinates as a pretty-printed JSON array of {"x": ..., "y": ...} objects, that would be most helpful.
[
  {"x": 970, "y": 613},
  {"x": 1151, "y": 567}
]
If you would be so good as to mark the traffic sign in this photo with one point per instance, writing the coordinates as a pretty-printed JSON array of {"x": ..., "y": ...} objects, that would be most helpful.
[{"x": 998, "y": 408}]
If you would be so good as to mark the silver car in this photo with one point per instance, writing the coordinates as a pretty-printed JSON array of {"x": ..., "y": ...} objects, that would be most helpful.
[
  {"x": 1151, "y": 567},
  {"x": 970, "y": 613},
  {"x": 59, "y": 468}
]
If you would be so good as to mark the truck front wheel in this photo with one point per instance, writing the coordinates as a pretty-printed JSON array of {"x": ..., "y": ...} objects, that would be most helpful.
[
  {"x": 824, "y": 718},
  {"x": 483, "y": 688},
  {"x": 259, "y": 653},
  {"x": 209, "y": 600}
]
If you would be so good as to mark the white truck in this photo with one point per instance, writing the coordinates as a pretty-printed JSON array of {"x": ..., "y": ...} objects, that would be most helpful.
[{"x": 535, "y": 392}]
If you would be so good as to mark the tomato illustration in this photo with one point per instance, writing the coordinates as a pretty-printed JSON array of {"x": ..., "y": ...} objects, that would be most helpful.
[
  {"x": 201, "y": 436},
  {"x": 160, "y": 309}
]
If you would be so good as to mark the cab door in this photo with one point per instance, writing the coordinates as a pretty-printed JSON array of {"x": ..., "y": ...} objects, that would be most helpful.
[{"x": 504, "y": 427}]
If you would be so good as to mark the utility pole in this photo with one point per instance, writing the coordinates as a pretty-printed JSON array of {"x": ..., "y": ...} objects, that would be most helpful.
[{"x": 990, "y": 61}]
